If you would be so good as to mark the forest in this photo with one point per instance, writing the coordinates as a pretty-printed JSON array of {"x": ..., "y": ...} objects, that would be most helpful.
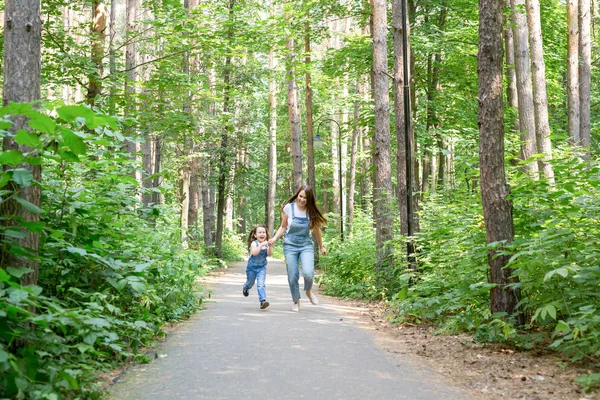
[{"x": 452, "y": 145}]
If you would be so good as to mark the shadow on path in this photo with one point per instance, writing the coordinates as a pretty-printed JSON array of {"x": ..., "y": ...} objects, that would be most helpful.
[{"x": 233, "y": 350}]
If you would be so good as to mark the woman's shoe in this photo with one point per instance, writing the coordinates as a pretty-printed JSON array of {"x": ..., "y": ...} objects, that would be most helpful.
[
  {"x": 296, "y": 306},
  {"x": 313, "y": 299}
]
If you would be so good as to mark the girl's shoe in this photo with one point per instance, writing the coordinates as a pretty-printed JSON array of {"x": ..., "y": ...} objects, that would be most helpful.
[
  {"x": 296, "y": 306},
  {"x": 264, "y": 304},
  {"x": 245, "y": 292},
  {"x": 313, "y": 299}
]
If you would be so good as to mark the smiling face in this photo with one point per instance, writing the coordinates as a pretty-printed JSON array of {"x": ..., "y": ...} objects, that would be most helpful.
[
  {"x": 261, "y": 234},
  {"x": 301, "y": 200}
]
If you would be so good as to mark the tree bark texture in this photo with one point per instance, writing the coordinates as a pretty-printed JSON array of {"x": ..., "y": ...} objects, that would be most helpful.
[
  {"x": 540, "y": 97},
  {"x": 310, "y": 153},
  {"x": 585, "y": 65},
  {"x": 294, "y": 115},
  {"x": 272, "y": 146},
  {"x": 98, "y": 37},
  {"x": 497, "y": 209},
  {"x": 224, "y": 149},
  {"x": 573, "y": 72},
  {"x": 382, "y": 188},
  {"x": 399, "y": 117},
  {"x": 353, "y": 155},
  {"x": 524, "y": 88},
  {"x": 22, "y": 69},
  {"x": 511, "y": 76}
]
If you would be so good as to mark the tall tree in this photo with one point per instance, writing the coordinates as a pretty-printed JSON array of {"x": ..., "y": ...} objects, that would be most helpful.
[
  {"x": 540, "y": 98},
  {"x": 272, "y": 144},
  {"x": 308, "y": 93},
  {"x": 524, "y": 88},
  {"x": 497, "y": 209},
  {"x": 227, "y": 130},
  {"x": 511, "y": 76},
  {"x": 131, "y": 74},
  {"x": 293, "y": 113},
  {"x": 98, "y": 36},
  {"x": 399, "y": 117},
  {"x": 573, "y": 72},
  {"x": 585, "y": 65},
  {"x": 22, "y": 66},
  {"x": 382, "y": 188}
]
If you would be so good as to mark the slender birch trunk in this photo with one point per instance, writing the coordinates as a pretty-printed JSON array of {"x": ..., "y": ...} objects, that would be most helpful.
[
  {"x": 585, "y": 65},
  {"x": 524, "y": 87},
  {"x": 573, "y": 72},
  {"x": 293, "y": 115},
  {"x": 272, "y": 144},
  {"x": 511, "y": 76},
  {"x": 540, "y": 97},
  {"x": 382, "y": 188}
]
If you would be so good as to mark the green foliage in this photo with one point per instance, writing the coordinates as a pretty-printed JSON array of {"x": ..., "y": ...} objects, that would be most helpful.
[
  {"x": 109, "y": 276},
  {"x": 349, "y": 268}
]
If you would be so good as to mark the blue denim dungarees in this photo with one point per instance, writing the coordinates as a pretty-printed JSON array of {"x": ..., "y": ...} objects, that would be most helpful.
[
  {"x": 298, "y": 249},
  {"x": 256, "y": 270}
]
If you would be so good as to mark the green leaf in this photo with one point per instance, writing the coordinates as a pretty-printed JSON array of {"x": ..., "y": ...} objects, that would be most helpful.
[
  {"x": 139, "y": 287},
  {"x": 83, "y": 347},
  {"x": 42, "y": 123},
  {"x": 15, "y": 234},
  {"x": 71, "y": 113},
  {"x": 4, "y": 179},
  {"x": 11, "y": 157},
  {"x": 68, "y": 156},
  {"x": 32, "y": 208},
  {"x": 27, "y": 138},
  {"x": 75, "y": 143},
  {"x": 18, "y": 272},
  {"x": 97, "y": 322},
  {"x": 22, "y": 176},
  {"x": 76, "y": 250},
  {"x": 4, "y": 277}
]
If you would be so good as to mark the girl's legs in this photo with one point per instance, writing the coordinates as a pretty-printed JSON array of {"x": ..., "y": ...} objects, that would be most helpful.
[
  {"x": 291, "y": 263},
  {"x": 250, "y": 278},
  {"x": 261, "y": 275}
]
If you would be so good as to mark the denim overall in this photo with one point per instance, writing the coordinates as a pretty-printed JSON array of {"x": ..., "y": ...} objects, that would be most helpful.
[
  {"x": 298, "y": 248},
  {"x": 257, "y": 271}
]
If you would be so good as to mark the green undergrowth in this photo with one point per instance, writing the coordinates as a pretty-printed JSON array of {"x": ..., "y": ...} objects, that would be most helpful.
[
  {"x": 111, "y": 271},
  {"x": 555, "y": 255}
]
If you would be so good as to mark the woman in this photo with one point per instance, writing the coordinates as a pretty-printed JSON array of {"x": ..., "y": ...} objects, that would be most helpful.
[{"x": 300, "y": 215}]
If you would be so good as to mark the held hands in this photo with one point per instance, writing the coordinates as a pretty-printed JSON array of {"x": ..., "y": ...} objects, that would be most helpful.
[{"x": 271, "y": 241}]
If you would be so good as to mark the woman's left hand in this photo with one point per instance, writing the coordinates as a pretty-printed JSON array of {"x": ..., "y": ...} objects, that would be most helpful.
[{"x": 323, "y": 251}]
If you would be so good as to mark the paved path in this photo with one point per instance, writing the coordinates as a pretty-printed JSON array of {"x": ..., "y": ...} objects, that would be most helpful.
[{"x": 232, "y": 350}]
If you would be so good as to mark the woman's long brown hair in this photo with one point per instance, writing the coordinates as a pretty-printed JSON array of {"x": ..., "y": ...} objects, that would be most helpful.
[{"x": 316, "y": 219}]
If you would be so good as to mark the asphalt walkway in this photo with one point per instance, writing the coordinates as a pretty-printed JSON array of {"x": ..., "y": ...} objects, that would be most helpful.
[{"x": 232, "y": 350}]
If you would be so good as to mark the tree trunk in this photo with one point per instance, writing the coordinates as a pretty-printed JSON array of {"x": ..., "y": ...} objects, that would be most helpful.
[
  {"x": 112, "y": 54},
  {"x": 272, "y": 145},
  {"x": 382, "y": 188},
  {"x": 293, "y": 115},
  {"x": 353, "y": 153},
  {"x": 226, "y": 132},
  {"x": 132, "y": 146},
  {"x": 497, "y": 209},
  {"x": 310, "y": 154},
  {"x": 511, "y": 76},
  {"x": 540, "y": 98},
  {"x": 22, "y": 66},
  {"x": 194, "y": 192},
  {"x": 585, "y": 63},
  {"x": 98, "y": 37},
  {"x": 524, "y": 88},
  {"x": 573, "y": 72},
  {"x": 399, "y": 117}
]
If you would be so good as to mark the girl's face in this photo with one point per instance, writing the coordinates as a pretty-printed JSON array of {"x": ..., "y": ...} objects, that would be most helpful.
[
  {"x": 301, "y": 199},
  {"x": 261, "y": 234}
]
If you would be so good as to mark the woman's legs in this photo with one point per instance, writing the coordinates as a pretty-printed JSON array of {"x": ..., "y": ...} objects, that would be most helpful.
[
  {"x": 307, "y": 259},
  {"x": 292, "y": 256}
]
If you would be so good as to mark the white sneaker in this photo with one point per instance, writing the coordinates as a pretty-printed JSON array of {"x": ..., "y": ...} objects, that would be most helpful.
[
  {"x": 313, "y": 299},
  {"x": 296, "y": 306}
]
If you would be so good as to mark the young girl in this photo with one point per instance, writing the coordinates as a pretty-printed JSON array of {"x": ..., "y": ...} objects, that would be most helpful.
[{"x": 258, "y": 246}]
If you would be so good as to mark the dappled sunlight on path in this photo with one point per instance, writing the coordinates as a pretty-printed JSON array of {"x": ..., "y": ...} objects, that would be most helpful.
[{"x": 234, "y": 350}]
